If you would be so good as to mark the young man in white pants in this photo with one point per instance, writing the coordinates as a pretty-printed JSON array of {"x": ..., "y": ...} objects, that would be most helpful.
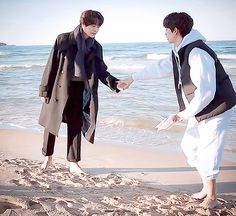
[{"x": 205, "y": 95}]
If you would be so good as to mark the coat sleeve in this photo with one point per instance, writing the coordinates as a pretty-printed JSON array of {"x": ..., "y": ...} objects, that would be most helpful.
[
  {"x": 158, "y": 69},
  {"x": 50, "y": 72},
  {"x": 106, "y": 78},
  {"x": 103, "y": 75}
]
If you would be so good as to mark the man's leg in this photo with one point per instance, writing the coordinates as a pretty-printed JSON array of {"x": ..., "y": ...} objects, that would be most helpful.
[
  {"x": 73, "y": 113},
  {"x": 211, "y": 199},
  {"x": 189, "y": 146},
  {"x": 189, "y": 143},
  {"x": 48, "y": 148},
  {"x": 74, "y": 147},
  {"x": 73, "y": 142},
  {"x": 213, "y": 132}
]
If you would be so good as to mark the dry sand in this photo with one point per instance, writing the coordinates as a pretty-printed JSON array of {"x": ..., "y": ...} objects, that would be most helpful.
[{"x": 120, "y": 180}]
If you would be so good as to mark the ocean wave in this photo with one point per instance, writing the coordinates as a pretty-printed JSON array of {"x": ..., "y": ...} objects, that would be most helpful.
[
  {"x": 122, "y": 122},
  {"x": 11, "y": 126},
  {"x": 108, "y": 58},
  {"x": 154, "y": 56},
  {"x": 15, "y": 125},
  {"x": 148, "y": 124},
  {"x": 149, "y": 56},
  {"x": 116, "y": 57},
  {"x": 125, "y": 56},
  {"x": 15, "y": 67},
  {"x": 230, "y": 149},
  {"x": 227, "y": 56},
  {"x": 125, "y": 67},
  {"x": 4, "y": 53}
]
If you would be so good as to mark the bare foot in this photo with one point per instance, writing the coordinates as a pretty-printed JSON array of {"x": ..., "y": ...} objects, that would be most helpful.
[
  {"x": 47, "y": 163},
  {"x": 75, "y": 168},
  {"x": 200, "y": 195},
  {"x": 209, "y": 203}
]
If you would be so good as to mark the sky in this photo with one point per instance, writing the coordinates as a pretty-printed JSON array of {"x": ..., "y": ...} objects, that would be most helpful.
[{"x": 34, "y": 22}]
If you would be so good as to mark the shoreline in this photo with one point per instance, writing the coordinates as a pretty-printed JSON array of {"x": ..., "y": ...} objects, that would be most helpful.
[
  {"x": 132, "y": 156},
  {"x": 119, "y": 178},
  {"x": 229, "y": 154}
]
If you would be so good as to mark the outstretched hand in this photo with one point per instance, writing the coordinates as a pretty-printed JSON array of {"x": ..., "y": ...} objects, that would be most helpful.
[
  {"x": 168, "y": 122},
  {"x": 124, "y": 84},
  {"x": 175, "y": 118}
]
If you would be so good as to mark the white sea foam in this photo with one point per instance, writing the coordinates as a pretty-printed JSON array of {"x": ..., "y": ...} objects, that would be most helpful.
[
  {"x": 108, "y": 58},
  {"x": 142, "y": 123},
  {"x": 156, "y": 56},
  {"x": 126, "y": 67},
  {"x": 16, "y": 126},
  {"x": 4, "y": 53},
  {"x": 18, "y": 66},
  {"x": 227, "y": 56}
]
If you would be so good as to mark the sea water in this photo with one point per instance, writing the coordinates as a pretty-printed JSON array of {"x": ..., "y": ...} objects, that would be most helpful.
[{"x": 126, "y": 118}]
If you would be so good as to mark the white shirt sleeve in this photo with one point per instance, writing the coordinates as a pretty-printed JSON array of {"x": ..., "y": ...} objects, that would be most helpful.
[
  {"x": 203, "y": 76},
  {"x": 161, "y": 68}
]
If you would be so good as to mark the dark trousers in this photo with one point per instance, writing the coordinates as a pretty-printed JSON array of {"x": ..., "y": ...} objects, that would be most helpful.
[{"x": 72, "y": 115}]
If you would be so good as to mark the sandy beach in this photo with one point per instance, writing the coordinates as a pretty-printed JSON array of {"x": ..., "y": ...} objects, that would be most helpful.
[{"x": 120, "y": 180}]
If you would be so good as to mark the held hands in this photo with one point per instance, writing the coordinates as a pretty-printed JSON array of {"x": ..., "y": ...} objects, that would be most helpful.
[{"x": 124, "y": 84}]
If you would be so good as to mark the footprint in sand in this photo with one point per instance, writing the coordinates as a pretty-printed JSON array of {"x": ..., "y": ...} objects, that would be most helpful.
[
  {"x": 10, "y": 203},
  {"x": 34, "y": 205},
  {"x": 4, "y": 205}
]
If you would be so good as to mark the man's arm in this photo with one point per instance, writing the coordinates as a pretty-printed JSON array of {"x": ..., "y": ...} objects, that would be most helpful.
[
  {"x": 103, "y": 75},
  {"x": 159, "y": 69}
]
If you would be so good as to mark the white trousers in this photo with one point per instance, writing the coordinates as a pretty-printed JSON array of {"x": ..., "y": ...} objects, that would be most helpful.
[{"x": 203, "y": 143}]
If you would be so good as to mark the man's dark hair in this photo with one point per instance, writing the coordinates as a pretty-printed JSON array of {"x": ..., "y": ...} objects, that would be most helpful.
[
  {"x": 182, "y": 21},
  {"x": 91, "y": 17}
]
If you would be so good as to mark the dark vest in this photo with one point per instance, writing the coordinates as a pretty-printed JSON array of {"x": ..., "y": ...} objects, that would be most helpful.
[{"x": 225, "y": 96}]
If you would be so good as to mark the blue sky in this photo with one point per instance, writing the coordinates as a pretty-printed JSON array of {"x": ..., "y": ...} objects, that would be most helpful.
[{"x": 34, "y": 22}]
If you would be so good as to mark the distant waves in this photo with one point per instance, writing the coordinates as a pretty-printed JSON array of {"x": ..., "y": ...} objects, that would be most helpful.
[{"x": 13, "y": 67}]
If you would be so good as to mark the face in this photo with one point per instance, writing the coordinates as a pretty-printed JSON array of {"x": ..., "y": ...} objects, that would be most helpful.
[
  {"x": 173, "y": 36},
  {"x": 170, "y": 35},
  {"x": 90, "y": 30}
]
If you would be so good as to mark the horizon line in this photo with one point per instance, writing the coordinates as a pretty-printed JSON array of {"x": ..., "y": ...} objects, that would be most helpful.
[{"x": 109, "y": 43}]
